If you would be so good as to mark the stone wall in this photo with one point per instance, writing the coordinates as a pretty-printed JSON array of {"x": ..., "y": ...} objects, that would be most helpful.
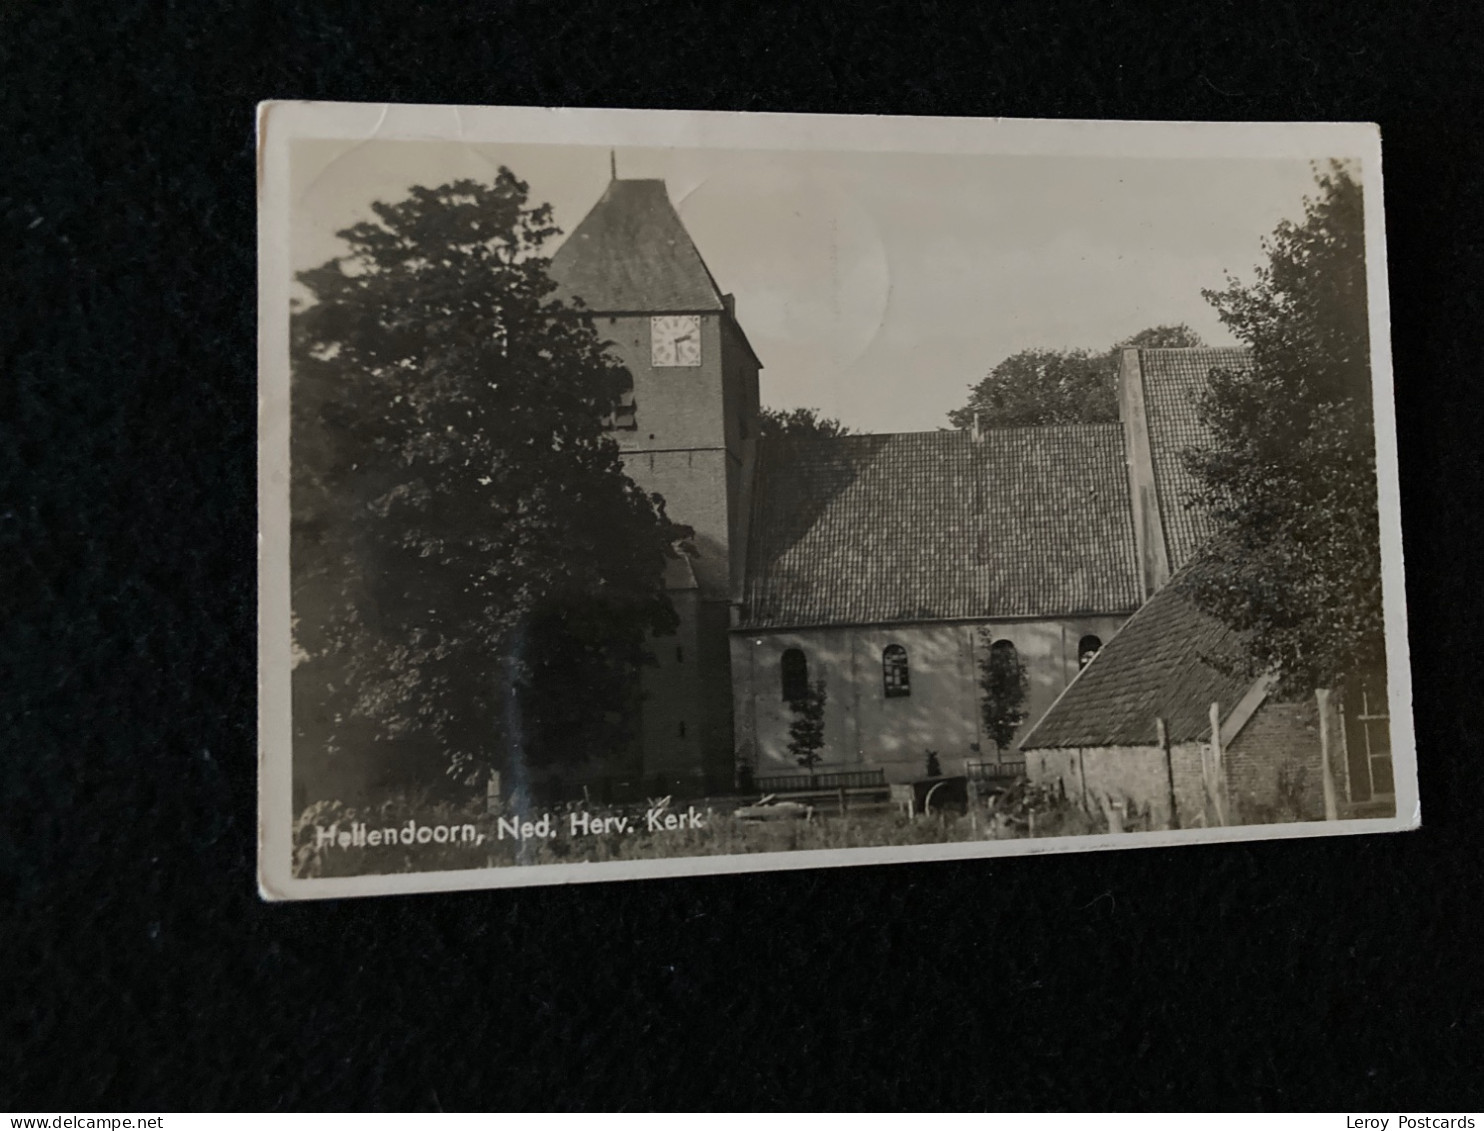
[
  {"x": 1273, "y": 767},
  {"x": 1135, "y": 779},
  {"x": 864, "y": 728}
]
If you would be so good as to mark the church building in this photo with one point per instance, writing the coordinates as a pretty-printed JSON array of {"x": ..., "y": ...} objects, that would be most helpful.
[
  {"x": 890, "y": 565},
  {"x": 886, "y": 566}
]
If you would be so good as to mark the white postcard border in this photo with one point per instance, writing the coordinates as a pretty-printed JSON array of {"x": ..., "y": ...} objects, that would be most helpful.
[{"x": 279, "y": 123}]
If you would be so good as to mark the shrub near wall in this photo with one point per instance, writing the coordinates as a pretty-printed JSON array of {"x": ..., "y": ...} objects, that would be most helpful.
[{"x": 1273, "y": 767}]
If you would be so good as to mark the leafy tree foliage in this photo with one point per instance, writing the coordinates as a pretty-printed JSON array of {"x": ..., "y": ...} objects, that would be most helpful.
[
  {"x": 1046, "y": 386},
  {"x": 1178, "y": 336},
  {"x": 473, "y": 573},
  {"x": 806, "y": 732},
  {"x": 798, "y": 423},
  {"x": 1291, "y": 470},
  {"x": 1003, "y": 687}
]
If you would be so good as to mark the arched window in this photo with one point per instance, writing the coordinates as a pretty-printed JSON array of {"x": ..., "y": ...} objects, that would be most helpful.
[
  {"x": 894, "y": 672},
  {"x": 1087, "y": 648},
  {"x": 795, "y": 670},
  {"x": 1004, "y": 686},
  {"x": 623, "y": 415}
]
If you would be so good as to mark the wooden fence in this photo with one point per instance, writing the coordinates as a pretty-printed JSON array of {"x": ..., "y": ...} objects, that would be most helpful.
[
  {"x": 985, "y": 770},
  {"x": 808, "y": 783}
]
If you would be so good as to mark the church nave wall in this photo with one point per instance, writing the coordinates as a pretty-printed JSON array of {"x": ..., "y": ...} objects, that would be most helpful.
[{"x": 865, "y": 727}]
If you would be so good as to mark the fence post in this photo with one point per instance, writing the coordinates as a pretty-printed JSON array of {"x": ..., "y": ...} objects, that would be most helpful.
[
  {"x": 1218, "y": 766},
  {"x": 1163, "y": 732},
  {"x": 493, "y": 802},
  {"x": 1327, "y": 773}
]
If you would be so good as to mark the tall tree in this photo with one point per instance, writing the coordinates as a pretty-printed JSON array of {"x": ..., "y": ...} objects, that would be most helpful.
[
  {"x": 798, "y": 423},
  {"x": 1290, "y": 472},
  {"x": 1048, "y": 386},
  {"x": 806, "y": 731},
  {"x": 1004, "y": 685},
  {"x": 473, "y": 573}
]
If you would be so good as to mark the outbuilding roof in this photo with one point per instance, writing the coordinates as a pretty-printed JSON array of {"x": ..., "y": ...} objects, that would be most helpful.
[
  {"x": 631, "y": 253},
  {"x": 1170, "y": 660},
  {"x": 1174, "y": 380},
  {"x": 925, "y": 526}
]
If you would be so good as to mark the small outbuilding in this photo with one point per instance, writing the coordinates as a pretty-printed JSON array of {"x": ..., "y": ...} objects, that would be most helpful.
[{"x": 1132, "y": 735}]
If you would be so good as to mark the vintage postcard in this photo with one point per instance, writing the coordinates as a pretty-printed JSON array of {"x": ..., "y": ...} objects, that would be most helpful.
[{"x": 657, "y": 493}]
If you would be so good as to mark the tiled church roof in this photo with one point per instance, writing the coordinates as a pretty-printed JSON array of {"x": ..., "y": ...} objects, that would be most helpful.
[
  {"x": 632, "y": 253},
  {"x": 1170, "y": 660},
  {"x": 940, "y": 526},
  {"x": 1173, "y": 380}
]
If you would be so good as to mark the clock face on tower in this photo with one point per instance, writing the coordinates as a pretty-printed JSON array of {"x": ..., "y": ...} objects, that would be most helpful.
[{"x": 675, "y": 339}]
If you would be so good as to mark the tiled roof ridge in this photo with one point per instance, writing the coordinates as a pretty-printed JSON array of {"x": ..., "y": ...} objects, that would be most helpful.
[
  {"x": 1139, "y": 615},
  {"x": 1195, "y": 349},
  {"x": 1026, "y": 429},
  {"x": 856, "y": 436},
  {"x": 1174, "y": 600},
  {"x": 1061, "y": 426},
  {"x": 930, "y": 526}
]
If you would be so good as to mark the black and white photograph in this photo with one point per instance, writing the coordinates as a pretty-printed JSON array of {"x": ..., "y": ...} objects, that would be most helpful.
[{"x": 652, "y": 493}]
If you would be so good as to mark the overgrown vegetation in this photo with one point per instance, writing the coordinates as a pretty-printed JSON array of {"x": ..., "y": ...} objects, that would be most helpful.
[
  {"x": 1024, "y": 811},
  {"x": 1295, "y": 797}
]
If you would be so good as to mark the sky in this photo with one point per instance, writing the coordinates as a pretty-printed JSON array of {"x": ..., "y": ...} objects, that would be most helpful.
[{"x": 877, "y": 287}]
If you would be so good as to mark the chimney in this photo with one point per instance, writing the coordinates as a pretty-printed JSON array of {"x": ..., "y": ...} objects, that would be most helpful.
[
  {"x": 1129, "y": 383},
  {"x": 1149, "y": 531},
  {"x": 977, "y": 429},
  {"x": 730, "y": 302}
]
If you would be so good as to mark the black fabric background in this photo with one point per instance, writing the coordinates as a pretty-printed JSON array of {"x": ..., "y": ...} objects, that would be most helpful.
[{"x": 140, "y": 969}]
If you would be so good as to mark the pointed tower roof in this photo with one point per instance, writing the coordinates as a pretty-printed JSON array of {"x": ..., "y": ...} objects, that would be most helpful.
[{"x": 632, "y": 254}]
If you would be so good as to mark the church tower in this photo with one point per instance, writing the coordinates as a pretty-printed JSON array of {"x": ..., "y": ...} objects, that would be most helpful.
[{"x": 687, "y": 432}]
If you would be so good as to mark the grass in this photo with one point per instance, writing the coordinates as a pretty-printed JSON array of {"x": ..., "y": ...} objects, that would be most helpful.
[{"x": 318, "y": 850}]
